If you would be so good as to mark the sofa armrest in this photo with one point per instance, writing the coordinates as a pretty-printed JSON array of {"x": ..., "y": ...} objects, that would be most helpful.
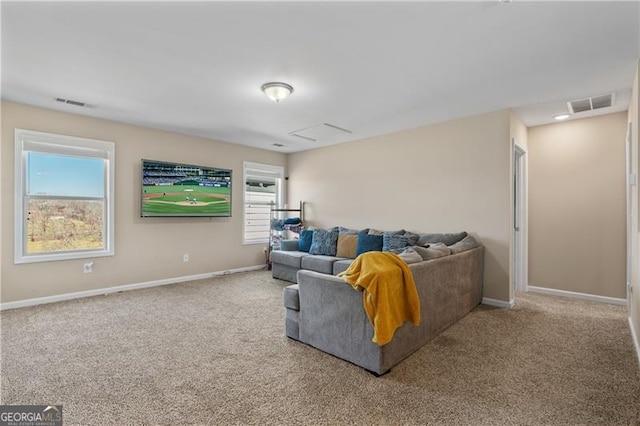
[
  {"x": 333, "y": 319},
  {"x": 289, "y": 245}
]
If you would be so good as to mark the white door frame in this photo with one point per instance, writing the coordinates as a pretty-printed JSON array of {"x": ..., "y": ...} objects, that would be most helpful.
[
  {"x": 631, "y": 183},
  {"x": 520, "y": 210}
]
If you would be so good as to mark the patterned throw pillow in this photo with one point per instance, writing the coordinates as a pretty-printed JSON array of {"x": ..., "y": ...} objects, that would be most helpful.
[
  {"x": 324, "y": 242},
  {"x": 347, "y": 245},
  {"x": 306, "y": 237},
  {"x": 376, "y": 232},
  {"x": 394, "y": 242}
]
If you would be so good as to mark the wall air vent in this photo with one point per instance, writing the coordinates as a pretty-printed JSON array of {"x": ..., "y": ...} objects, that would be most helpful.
[
  {"x": 591, "y": 104},
  {"x": 75, "y": 103},
  {"x": 319, "y": 132}
]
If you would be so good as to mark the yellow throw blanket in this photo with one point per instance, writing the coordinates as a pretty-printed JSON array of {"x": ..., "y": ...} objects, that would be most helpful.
[{"x": 390, "y": 294}]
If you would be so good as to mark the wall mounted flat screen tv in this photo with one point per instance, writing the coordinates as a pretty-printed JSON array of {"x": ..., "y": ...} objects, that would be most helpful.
[{"x": 184, "y": 190}]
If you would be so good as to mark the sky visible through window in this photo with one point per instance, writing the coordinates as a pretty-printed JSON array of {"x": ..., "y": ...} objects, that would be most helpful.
[{"x": 50, "y": 174}]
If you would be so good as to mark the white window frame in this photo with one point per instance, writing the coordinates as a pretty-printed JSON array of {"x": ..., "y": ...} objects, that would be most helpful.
[
  {"x": 49, "y": 143},
  {"x": 261, "y": 170}
]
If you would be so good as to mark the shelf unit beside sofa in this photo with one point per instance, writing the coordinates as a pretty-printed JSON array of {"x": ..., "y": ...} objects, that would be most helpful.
[{"x": 277, "y": 234}]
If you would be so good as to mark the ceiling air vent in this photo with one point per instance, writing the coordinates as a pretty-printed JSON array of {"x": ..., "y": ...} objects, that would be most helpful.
[
  {"x": 75, "y": 103},
  {"x": 591, "y": 104}
]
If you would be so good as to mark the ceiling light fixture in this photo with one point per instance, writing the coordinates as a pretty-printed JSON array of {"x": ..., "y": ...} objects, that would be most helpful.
[
  {"x": 561, "y": 117},
  {"x": 277, "y": 91}
]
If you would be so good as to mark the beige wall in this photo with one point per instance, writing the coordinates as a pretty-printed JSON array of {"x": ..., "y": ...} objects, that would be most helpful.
[
  {"x": 1, "y": 192},
  {"x": 634, "y": 118},
  {"x": 577, "y": 205},
  {"x": 446, "y": 177},
  {"x": 145, "y": 249}
]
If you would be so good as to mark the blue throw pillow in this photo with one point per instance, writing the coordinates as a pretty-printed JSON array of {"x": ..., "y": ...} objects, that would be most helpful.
[
  {"x": 324, "y": 242},
  {"x": 304, "y": 243},
  {"x": 368, "y": 242}
]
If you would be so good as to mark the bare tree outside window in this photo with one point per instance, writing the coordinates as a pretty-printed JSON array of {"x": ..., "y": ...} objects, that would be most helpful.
[
  {"x": 64, "y": 225},
  {"x": 64, "y": 197}
]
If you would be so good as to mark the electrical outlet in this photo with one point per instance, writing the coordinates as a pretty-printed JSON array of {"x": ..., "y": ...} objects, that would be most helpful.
[
  {"x": 185, "y": 257},
  {"x": 88, "y": 268}
]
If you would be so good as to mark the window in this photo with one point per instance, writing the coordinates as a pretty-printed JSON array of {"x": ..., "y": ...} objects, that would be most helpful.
[
  {"x": 262, "y": 188},
  {"x": 63, "y": 197}
]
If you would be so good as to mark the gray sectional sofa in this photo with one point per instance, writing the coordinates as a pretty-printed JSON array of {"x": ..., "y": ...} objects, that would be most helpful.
[{"x": 323, "y": 311}]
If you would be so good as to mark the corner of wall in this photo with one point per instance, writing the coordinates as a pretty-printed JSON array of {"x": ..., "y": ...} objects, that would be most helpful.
[
  {"x": 634, "y": 294},
  {"x": 1, "y": 205}
]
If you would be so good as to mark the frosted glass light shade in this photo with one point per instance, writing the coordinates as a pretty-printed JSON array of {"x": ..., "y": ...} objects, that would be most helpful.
[{"x": 277, "y": 91}]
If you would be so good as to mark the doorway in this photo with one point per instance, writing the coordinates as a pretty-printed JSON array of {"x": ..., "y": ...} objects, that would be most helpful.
[{"x": 520, "y": 228}]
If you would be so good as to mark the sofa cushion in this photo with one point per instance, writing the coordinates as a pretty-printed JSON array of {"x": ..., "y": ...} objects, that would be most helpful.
[
  {"x": 434, "y": 251},
  {"x": 289, "y": 258},
  {"x": 467, "y": 243},
  {"x": 324, "y": 242},
  {"x": 342, "y": 265},
  {"x": 392, "y": 241},
  {"x": 291, "y": 297},
  {"x": 319, "y": 263},
  {"x": 447, "y": 239},
  {"x": 367, "y": 242},
  {"x": 347, "y": 245},
  {"x": 306, "y": 237}
]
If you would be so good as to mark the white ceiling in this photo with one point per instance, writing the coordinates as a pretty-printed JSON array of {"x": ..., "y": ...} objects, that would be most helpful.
[{"x": 368, "y": 67}]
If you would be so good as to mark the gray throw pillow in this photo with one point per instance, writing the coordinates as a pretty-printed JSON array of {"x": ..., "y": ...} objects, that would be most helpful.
[
  {"x": 447, "y": 239},
  {"x": 409, "y": 255},
  {"x": 434, "y": 251},
  {"x": 347, "y": 231},
  {"x": 467, "y": 243}
]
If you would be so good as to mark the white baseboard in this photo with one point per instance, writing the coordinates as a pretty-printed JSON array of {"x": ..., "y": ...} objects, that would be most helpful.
[
  {"x": 126, "y": 287},
  {"x": 497, "y": 303},
  {"x": 583, "y": 296},
  {"x": 636, "y": 343}
]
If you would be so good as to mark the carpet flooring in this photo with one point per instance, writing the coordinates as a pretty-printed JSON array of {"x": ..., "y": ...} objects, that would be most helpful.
[{"x": 214, "y": 352}]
